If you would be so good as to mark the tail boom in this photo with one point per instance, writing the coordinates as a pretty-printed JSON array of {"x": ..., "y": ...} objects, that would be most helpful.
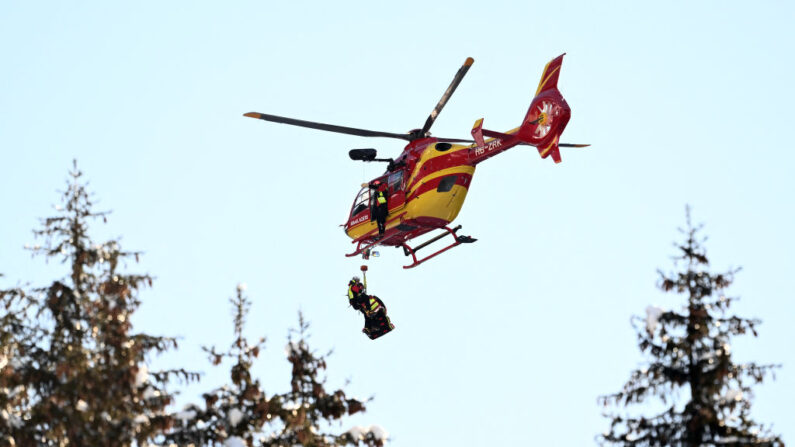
[{"x": 544, "y": 122}]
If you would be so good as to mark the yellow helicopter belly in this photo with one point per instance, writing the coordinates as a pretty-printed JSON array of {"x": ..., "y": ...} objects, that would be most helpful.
[
  {"x": 431, "y": 203},
  {"x": 438, "y": 205}
]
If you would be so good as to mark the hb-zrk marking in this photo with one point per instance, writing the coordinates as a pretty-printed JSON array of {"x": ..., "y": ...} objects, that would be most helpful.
[{"x": 490, "y": 146}]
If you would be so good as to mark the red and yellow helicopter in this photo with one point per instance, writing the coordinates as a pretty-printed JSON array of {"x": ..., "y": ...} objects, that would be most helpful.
[{"x": 428, "y": 182}]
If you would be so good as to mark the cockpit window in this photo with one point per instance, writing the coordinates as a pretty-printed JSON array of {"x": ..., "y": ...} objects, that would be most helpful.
[
  {"x": 362, "y": 201},
  {"x": 395, "y": 182},
  {"x": 447, "y": 183}
]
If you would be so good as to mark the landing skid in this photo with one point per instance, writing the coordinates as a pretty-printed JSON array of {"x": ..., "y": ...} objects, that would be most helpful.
[{"x": 413, "y": 251}]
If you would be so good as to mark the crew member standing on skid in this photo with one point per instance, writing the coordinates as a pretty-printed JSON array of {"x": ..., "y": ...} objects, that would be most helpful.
[{"x": 380, "y": 205}]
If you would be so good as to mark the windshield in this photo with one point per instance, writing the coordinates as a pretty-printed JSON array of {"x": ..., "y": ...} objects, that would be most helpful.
[{"x": 362, "y": 201}]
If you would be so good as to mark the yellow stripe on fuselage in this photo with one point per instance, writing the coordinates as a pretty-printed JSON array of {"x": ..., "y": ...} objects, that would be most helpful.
[
  {"x": 460, "y": 169},
  {"x": 430, "y": 153},
  {"x": 439, "y": 205},
  {"x": 431, "y": 203}
]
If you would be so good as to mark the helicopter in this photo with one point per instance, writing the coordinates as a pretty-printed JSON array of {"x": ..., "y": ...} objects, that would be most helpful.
[{"x": 428, "y": 182}]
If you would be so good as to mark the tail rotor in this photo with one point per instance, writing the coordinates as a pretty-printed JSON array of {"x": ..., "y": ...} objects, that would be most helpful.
[{"x": 548, "y": 115}]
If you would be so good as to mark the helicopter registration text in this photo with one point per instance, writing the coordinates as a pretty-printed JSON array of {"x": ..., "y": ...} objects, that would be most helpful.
[
  {"x": 360, "y": 220},
  {"x": 490, "y": 146}
]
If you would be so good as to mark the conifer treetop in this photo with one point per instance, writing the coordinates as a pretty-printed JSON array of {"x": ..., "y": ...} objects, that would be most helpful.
[
  {"x": 689, "y": 367},
  {"x": 79, "y": 372}
]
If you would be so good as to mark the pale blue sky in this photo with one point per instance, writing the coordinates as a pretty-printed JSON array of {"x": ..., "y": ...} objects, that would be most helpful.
[{"x": 506, "y": 341}]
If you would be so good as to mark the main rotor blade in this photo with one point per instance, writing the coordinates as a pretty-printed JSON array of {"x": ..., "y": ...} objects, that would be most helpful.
[
  {"x": 572, "y": 145},
  {"x": 447, "y": 94},
  {"x": 327, "y": 127},
  {"x": 453, "y": 140}
]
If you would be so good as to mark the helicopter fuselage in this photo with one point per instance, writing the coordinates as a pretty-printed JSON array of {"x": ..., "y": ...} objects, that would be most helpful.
[
  {"x": 426, "y": 192},
  {"x": 428, "y": 183}
]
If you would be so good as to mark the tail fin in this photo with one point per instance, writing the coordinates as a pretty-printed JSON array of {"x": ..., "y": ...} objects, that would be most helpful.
[{"x": 548, "y": 114}]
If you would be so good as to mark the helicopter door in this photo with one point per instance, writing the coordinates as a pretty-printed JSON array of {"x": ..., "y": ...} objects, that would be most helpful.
[{"x": 397, "y": 197}]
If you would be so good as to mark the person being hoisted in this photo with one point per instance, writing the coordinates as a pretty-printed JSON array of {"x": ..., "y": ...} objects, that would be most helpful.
[
  {"x": 376, "y": 321},
  {"x": 380, "y": 205}
]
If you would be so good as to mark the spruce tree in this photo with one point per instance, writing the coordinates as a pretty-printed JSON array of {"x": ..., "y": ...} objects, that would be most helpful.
[
  {"x": 310, "y": 407},
  {"x": 78, "y": 372},
  {"x": 241, "y": 414},
  {"x": 238, "y": 411},
  {"x": 15, "y": 338},
  {"x": 689, "y": 355}
]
